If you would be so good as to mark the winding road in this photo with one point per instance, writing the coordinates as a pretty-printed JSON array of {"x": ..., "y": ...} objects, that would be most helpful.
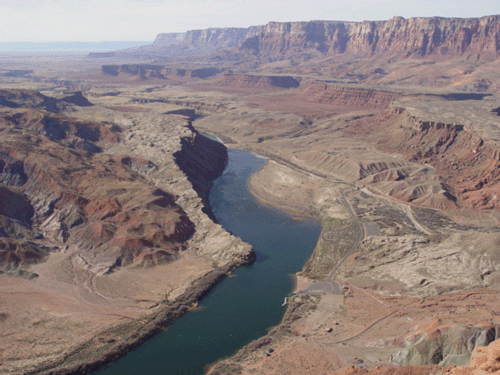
[{"x": 328, "y": 285}]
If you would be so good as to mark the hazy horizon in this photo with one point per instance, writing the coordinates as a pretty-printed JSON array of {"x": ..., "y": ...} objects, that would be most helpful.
[
  {"x": 69, "y": 46},
  {"x": 34, "y": 21}
]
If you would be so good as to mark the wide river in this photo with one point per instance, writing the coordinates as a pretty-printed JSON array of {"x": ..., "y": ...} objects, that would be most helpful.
[{"x": 243, "y": 307}]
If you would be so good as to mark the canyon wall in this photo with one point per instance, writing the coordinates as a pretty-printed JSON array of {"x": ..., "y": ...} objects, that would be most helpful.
[
  {"x": 464, "y": 152},
  {"x": 201, "y": 159},
  {"x": 101, "y": 228},
  {"x": 469, "y": 37},
  {"x": 325, "y": 93},
  {"x": 54, "y": 198},
  {"x": 475, "y": 38}
]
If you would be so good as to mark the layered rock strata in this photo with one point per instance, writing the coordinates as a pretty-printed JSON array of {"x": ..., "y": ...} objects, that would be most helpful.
[
  {"x": 420, "y": 285},
  {"x": 109, "y": 245},
  {"x": 475, "y": 38},
  {"x": 337, "y": 95},
  {"x": 470, "y": 37},
  {"x": 459, "y": 139}
]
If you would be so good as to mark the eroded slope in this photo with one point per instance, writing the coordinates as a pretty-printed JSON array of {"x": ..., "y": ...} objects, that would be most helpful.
[
  {"x": 424, "y": 241},
  {"x": 107, "y": 233}
]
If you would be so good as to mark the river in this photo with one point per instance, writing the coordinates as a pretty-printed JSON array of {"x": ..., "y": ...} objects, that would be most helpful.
[{"x": 243, "y": 307}]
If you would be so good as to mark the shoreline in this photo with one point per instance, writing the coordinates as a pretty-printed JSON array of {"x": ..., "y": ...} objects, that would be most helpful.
[
  {"x": 168, "y": 312},
  {"x": 138, "y": 332},
  {"x": 116, "y": 332}
]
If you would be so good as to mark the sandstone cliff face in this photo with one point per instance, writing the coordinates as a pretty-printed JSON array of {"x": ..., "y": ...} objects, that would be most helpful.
[
  {"x": 324, "y": 93},
  {"x": 171, "y": 140},
  {"x": 201, "y": 159},
  {"x": 469, "y": 37},
  {"x": 476, "y": 38}
]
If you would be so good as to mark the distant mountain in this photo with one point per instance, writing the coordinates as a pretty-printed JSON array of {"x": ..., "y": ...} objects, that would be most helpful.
[
  {"x": 190, "y": 43},
  {"x": 67, "y": 46}
]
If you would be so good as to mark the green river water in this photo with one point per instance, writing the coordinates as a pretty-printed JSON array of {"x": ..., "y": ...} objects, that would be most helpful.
[{"x": 240, "y": 308}]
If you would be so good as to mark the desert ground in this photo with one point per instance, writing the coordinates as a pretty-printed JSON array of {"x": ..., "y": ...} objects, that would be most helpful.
[{"x": 401, "y": 169}]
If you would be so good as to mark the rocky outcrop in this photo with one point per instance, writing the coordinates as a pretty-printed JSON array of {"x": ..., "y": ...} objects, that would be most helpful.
[
  {"x": 18, "y": 241},
  {"x": 78, "y": 99},
  {"x": 169, "y": 39},
  {"x": 68, "y": 193},
  {"x": 342, "y": 96},
  {"x": 187, "y": 112},
  {"x": 485, "y": 360},
  {"x": 453, "y": 346},
  {"x": 171, "y": 141},
  {"x": 201, "y": 159},
  {"x": 465, "y": 155},
  {"x": 16, "y": 98},
  {"x": 457, "y": 139}
]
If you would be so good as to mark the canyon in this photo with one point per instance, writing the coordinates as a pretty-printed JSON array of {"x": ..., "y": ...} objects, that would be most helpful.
[{"x": 387, "y": 132}]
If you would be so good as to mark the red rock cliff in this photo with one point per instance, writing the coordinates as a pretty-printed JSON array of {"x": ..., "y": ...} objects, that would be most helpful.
[{"x": 469, "y": 37}]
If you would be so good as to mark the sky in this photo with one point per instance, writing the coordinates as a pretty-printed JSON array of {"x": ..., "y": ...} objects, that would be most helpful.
[{"x": 142, "y": 20}]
